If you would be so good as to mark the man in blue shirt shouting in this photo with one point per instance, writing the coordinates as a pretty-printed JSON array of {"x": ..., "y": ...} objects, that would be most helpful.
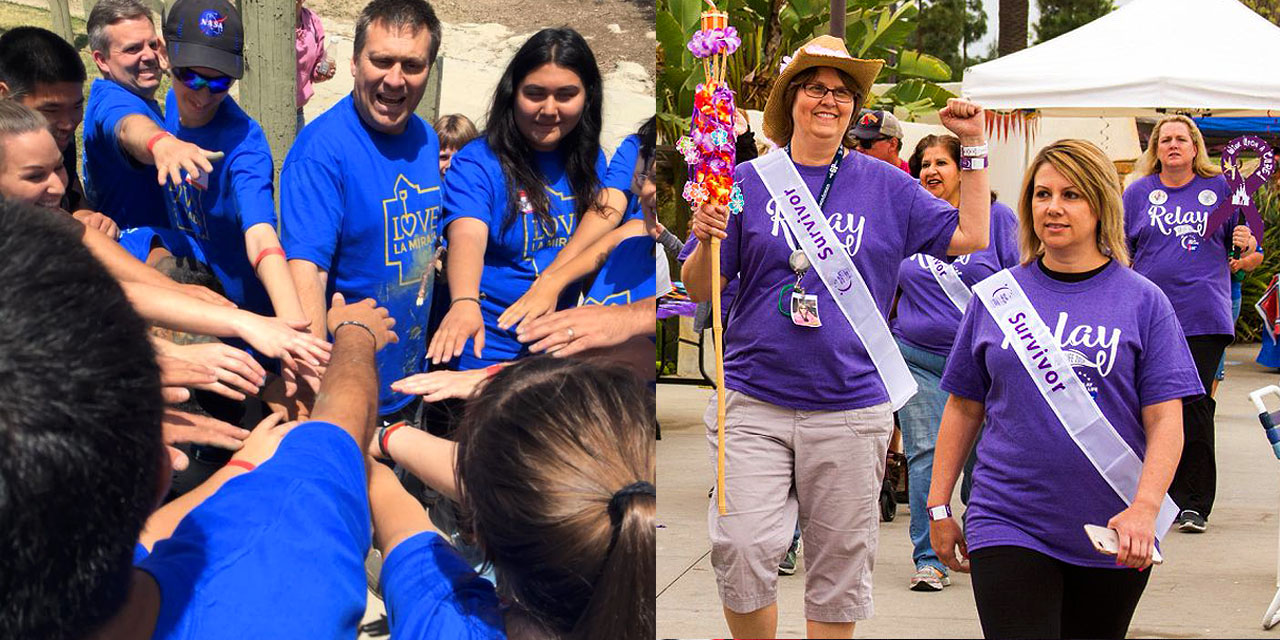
[{"x": 360, "y": 190}]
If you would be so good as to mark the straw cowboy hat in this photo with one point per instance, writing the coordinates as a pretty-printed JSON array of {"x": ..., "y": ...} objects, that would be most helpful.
[{"x": 822, "y": 51}]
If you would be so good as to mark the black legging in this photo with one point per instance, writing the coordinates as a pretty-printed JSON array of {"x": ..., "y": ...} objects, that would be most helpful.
[
  {"x": 1195, "y": 483},
  {"x": 1022, "y": 593}
]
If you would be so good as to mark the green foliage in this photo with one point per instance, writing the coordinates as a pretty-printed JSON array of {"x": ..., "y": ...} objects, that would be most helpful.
[
  {"x": 771, "y": 29},
  {"x": 1268, "y": 9},
  {"x": 1060, "y": 16},
  {"x": 937, "y": 32}
]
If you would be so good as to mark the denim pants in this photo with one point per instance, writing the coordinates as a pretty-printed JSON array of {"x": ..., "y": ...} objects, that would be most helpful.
[{"x": 919, "y": 420}]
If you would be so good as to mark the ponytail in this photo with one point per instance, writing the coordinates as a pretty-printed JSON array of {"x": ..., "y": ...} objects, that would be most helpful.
[{"x": 622, "y": 602}]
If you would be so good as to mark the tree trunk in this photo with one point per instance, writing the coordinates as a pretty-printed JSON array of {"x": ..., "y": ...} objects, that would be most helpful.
[{"x": 1013, "y": 26}]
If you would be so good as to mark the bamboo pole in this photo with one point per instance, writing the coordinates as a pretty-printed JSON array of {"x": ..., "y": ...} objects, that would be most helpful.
[{"x": 713, "y": 19}]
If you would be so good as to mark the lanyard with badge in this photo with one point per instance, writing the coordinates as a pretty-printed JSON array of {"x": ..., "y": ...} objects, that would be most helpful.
[{"x": 803, "y": 307}]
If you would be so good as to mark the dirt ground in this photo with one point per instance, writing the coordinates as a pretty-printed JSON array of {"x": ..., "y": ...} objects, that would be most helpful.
[{"x": 618, "y": 30}]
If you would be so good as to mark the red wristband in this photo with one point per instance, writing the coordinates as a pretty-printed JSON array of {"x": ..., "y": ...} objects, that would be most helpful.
[
  {"x": 156, "y": 138},
  {"x": 269, "y": 251},
  {"x": 243, "y": 464},
  {"x": 493, "y": 369},
  {"x": 386, "y": 438}
]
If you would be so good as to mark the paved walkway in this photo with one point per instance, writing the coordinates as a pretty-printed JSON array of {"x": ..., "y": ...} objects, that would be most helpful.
[{"x": 1215, "y": 585}]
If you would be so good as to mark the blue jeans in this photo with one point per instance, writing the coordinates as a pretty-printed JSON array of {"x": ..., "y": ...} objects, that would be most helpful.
[{"x": 919, "y": 420}]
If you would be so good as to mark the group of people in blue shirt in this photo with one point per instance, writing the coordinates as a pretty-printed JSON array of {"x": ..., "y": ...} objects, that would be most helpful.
[{"x": 335, "y": 328}]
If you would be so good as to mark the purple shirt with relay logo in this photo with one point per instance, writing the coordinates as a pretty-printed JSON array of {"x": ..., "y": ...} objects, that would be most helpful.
[
  {"x": 1165, "y": 230},
  {"x": 927, "y": 319},
  {"x": 880, "y": 215},
  {"x": 1032, "y": 486}
]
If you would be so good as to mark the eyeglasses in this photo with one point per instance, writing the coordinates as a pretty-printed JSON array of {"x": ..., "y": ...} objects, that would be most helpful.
[
  {"x": 819, "y": 91},
  {"x": 196, "y": 82}
]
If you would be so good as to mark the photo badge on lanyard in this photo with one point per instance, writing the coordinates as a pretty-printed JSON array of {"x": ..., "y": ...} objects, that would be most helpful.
[{"x": 804, "y": 306}]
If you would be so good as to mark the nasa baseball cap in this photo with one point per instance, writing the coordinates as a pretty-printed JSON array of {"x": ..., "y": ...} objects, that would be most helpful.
[{"x": 205, "y": 33}]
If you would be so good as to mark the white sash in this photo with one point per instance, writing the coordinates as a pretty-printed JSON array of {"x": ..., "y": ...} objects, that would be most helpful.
[
  {"x": 1047, "y": 365},
  {"x": 950, "y": 282},
  {"x": 834, "y": 266}
]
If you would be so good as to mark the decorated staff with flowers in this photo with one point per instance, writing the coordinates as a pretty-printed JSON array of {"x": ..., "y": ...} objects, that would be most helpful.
[{"x": 812, "y": 372}]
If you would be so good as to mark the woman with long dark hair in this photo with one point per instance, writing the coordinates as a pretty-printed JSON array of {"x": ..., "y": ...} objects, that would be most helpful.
[
  {"x": 514, "y": 196},
  {"x": 932, "y": 297}
]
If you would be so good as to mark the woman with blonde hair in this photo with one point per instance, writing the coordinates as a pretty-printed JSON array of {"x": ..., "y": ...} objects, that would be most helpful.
[
  {"x": 1082, "y": 420},
  {"x": 817, "y": 242},
  {"x": 1166, "y": 213}
]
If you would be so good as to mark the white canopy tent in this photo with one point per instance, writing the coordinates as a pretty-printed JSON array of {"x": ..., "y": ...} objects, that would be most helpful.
[{"x": 1208, "y": 56}]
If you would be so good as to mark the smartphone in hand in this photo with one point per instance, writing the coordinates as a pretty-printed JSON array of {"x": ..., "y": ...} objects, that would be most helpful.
[{"x": 1107, "y": 541}]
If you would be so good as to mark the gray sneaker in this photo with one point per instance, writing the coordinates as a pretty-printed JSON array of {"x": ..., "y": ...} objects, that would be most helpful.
[
  {"x": 788, "y": 565},
  {"x": 929, "y": 578},
  {"x": 1191, "y": 522}
]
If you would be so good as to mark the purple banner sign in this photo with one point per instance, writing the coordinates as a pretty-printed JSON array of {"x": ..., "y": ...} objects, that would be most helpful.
[{"x": 1242, "y": 188}]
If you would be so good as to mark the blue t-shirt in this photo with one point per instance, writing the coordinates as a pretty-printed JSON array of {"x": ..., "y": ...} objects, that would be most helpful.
[
  {"x": 238, "y": 194},
  {"x": 475, "y": 187},
  {"x": 621, "y": 168},
  {"x": 627, "y": 275},
  {"x": 365, "y": 206},
  {"x": 139, "y": 241},
  {"x": 121, "y": 187},
  {"x": 275, "y": 553},
  {"x": 431, "y": 592}
]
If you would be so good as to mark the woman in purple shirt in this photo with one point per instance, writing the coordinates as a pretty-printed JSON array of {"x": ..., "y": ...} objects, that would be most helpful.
[
  {"x": 808, "y": 411},
  {"x": 1117, "y": 373},
  {"x": 925, "y": 326},
  {"x": 1166, "y": 211}
]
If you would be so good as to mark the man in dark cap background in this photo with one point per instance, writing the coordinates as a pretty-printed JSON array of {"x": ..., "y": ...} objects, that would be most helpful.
[{"x": 879, "y": 135}]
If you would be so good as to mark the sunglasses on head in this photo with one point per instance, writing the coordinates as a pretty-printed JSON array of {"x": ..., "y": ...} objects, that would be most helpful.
[{"x": 196, "y": 82}]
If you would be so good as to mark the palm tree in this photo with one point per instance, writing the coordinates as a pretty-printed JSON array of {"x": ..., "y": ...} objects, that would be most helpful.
[{"x": 1013, "y": 26}]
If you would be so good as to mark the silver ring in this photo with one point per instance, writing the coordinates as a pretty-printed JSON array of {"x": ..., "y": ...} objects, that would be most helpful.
[{"x": 570, "y": 332}]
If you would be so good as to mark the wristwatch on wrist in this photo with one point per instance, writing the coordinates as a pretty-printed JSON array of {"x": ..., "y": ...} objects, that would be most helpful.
[{"x": 940, "y": 512}]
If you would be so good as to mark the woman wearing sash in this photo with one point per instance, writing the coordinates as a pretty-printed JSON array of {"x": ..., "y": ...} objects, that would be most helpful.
[
  {"x": 933, "y": 295},
  {"x": 1166, "y": 211},
  {"x": 808, "y": 403},
  {"x": 1045, "y": 351}
]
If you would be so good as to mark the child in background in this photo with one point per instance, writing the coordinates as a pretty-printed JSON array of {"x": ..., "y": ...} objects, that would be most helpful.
[
  {"x": 314, "y": 64},
  {"x": 455, "y": 131}
]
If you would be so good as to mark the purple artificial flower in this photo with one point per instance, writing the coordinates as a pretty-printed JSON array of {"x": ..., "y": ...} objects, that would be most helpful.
[
  {"x": 731, "y": 40},
  {"x": 700, "y": 46}
]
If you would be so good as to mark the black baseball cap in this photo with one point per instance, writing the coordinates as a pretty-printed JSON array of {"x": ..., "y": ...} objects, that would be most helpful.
[{"x": 205, "y": 33}]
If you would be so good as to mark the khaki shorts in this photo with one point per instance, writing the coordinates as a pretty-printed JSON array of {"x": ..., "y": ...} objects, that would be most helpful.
[{"x": 820, "y": 468}]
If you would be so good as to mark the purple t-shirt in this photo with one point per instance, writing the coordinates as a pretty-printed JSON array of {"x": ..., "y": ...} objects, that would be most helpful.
[
  {"x": 927, "y": 319},
  {"x": 730, "y": 288},
  {"x": 880, "y": 216},
  {"x": 1164, "y": 228},
  {"x": 1032, "y": 486}
]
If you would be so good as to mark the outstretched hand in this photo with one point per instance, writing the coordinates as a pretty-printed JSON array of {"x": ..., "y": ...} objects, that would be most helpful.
[
  {"x": 365, "y": 313},
  {"x": 441, "y": 385},
  {"x": 182, "y": 427}
]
